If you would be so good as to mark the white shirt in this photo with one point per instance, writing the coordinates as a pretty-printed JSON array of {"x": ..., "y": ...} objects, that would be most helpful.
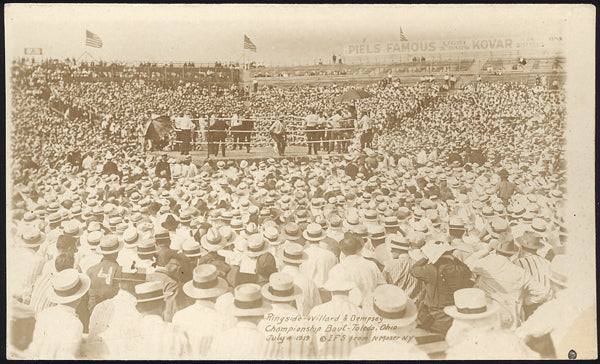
[
  {"x": 58, "y": 334},
  {"x": 201, "y": 335},
  {"x": 310, "y": 296},
  {"x": 318, "y": 264},
  {"x": 337, "y": 349},
  {"x": 243, "y": 341},
  {"x": 364, "y": 273}
]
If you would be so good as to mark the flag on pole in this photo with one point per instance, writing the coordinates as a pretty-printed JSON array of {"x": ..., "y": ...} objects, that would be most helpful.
[
  {"x": 402, "y": 36},
  {"x": 248, "y": 44},
  {"x": 92, "y": 40}
]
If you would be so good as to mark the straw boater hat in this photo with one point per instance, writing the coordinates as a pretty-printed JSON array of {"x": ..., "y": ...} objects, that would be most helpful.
[
  {"x": 146, "y": 248},
  {"x": 93, "y": 239},
  {"x": 392, "y": 304},
  {"x": 292, "y": 232},
  {"x": 256, "y": 246},
  {"x": 314, "y": 233},
  {"x": 248, "y": 301},
  {"x": 281, "y": 288},
  {"x": 33, "y": 237},
  {"x": 471, "y": 304},
  {"x": 191, "y": 248},
  {"x": 212, "y": 240},
  {"x": 130, "y": 237},
  {"x": 68, "y": 286},
  {"x": 150, "y": 291},
  {"x": 205, "y": 283},
  {"x": 271, "y": 235},
  {"x": 110, "y": 244},
  {"x": 293, "y": 253}
]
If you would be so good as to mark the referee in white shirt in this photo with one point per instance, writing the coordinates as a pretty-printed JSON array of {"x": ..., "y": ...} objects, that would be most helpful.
[{"x": 186, "y": 126}]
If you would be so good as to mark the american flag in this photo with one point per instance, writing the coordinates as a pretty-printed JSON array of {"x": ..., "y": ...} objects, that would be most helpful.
[
  {"x": 248, "y": 44},
  {"x": 402, "y": 36},
  {"x": 92, "y": 40}
]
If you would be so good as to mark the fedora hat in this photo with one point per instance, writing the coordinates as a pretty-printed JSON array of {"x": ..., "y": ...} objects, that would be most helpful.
[
  {"x": 471, "y": 304},
  {"x": 150, "y": 291},
  {"x": 68, "y": 286},
  {"x": 191, "y": 248},
  {"x": 170, "y": 223},
  {"x": 228, "y": 235},
  {"x": 212, "y": 240},
  {"x": 314, "y": 232},
  {"x": 530, "y": 240},
  {"x": 110, "y": 244},
  {"x": 248, "y": 301},
  {"x": 281, "y": 288},
  {"x": 255, "y": 246},
  {"x": 33, "y": 237},
  {"x": 293, "y": 253},
  {"x": 391, "y": 303},
  {"x": 505, "y": 247},
  {"x": 205, "y": 283}
]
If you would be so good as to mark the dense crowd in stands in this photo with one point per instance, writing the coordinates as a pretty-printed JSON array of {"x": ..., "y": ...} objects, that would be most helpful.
[{"x": 450, "y": 226}]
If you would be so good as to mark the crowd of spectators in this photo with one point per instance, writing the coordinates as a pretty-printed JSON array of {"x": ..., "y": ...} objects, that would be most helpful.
[{"x": 450, "y": 227}]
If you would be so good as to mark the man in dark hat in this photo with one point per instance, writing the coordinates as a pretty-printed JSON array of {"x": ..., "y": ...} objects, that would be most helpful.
[
  {"x": 505, "y": 188},
  {"x": 163, "y": 170}
]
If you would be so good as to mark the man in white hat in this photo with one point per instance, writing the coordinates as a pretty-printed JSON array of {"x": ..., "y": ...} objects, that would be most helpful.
[
  {"x": 127, "y": 255},
  {"x": 392, "y": 337},
  {"x": 331, "y": 345},
  {"x": 42, "y": 289},
  {"x": 58, "y": 331},
  {"x": 505, "y": 282},
  {"x": 471, "y": 310},
  {"x": 354, "y": 267},
  {"x": 154, "y": 338},
  {"x": 26, "y": 264},
  {"x": 112, "y": 321},
  {"x": 320, "y": 259},
  {"x": 282, "y": 292},
  {"x": 245, "y": 340},
  {"x": 397, "y": 270},
  {"x": 204, "y": 288},
  {"x": 292, "y": 256},
  {"x": 102, "y": 285}
]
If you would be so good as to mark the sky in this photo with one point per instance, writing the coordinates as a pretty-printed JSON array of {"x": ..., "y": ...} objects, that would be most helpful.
[{"x": 283, "y": 34}]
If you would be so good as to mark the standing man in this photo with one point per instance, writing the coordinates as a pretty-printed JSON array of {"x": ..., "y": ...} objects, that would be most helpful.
[
  {"x": 247, "y": 127},
  {"x": 311, "y": 133},
  {"x": 236, "y": 130},
  {"x": 277, "y": 131},
  {"x": 186, "y": 133},
  {"x": 218, "y": 135}
]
